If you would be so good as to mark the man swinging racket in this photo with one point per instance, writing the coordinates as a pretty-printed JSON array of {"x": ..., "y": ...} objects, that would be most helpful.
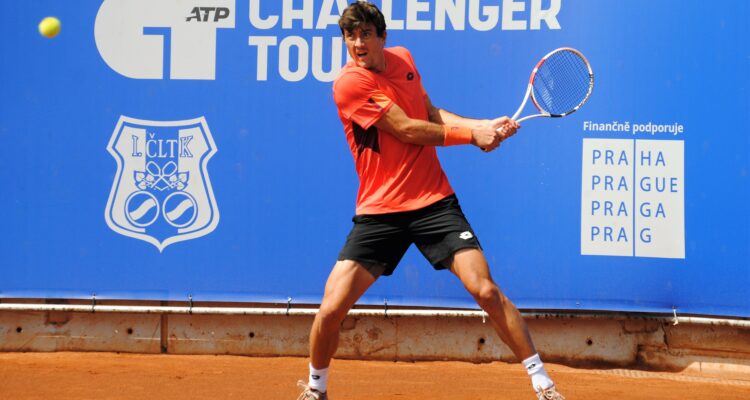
[{"x": 404, "y": 196}]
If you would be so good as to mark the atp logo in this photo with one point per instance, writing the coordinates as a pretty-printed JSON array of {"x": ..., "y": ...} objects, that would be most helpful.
[
  {"x": 155, "y": 39},
  {"x": 161, "y": 192}
]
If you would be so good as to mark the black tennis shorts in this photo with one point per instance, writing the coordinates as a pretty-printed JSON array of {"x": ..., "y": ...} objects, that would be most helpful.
[{"x": 378, "y": 241}]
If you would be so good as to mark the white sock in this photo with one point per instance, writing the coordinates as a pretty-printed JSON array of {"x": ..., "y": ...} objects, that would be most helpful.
[
  {"x": 318, "y": 379},
  {"x": 539, "y": 378}
]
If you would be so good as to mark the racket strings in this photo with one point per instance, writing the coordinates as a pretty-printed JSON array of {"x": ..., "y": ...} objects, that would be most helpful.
[{"x": 562, "y": 83}]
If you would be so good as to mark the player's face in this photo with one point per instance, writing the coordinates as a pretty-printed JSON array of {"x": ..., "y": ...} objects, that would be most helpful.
[{"x": 366, "y": 47}]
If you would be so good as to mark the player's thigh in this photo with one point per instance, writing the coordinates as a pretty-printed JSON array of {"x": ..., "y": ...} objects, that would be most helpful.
[
  {"x": 471, "y": 267},
  {"x": 347, "y": 282},
  {"x": 470, "y": 264}
]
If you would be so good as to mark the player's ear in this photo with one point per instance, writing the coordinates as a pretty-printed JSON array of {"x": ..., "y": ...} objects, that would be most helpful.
[{"x": 385, "y": 35}]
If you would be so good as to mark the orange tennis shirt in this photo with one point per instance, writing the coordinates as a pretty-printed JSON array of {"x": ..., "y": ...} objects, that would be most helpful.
[{"x": 393, "y": 176}]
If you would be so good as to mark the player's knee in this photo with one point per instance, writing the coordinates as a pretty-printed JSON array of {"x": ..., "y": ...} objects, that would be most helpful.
[
  {"x": 330, "y": 317},
  {"x": 489, "y": 295}
]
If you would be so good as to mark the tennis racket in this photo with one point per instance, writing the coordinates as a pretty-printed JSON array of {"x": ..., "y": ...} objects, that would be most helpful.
[{"x": 560, "y": 84}]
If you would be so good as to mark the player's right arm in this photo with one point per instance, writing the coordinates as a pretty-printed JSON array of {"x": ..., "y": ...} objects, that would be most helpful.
[
  {"x": 504, "y": 125},
  {"x": 417, "y": 131},
  {"x": 359, "y": 99}
]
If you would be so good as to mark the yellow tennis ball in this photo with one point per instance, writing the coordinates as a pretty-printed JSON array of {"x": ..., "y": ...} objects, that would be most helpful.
[{"x": 49, "y": 27}]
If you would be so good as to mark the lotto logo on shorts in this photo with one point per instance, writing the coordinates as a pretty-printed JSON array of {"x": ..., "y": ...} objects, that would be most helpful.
[
  {"x": 162, "y": 193},
  {"x": 466, "y": 235}
]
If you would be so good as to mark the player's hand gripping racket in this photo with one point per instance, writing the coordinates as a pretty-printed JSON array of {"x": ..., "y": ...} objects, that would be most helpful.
[{"x": 559, "y": 85}]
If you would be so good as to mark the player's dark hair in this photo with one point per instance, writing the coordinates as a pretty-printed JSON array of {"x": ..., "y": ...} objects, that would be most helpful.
[{"x": 362, "y": 12}]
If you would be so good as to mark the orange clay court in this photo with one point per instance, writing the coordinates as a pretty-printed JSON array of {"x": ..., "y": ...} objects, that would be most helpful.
[{"x": 135, "y": 376}]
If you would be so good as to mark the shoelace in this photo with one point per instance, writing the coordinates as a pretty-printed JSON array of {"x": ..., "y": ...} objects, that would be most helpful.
[
  {"x": 308, "y": 393},
  {"x": 549, "y": 394}
]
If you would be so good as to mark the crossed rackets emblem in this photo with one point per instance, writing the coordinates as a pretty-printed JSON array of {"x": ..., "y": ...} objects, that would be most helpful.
[{"x": 161, "y": 178}]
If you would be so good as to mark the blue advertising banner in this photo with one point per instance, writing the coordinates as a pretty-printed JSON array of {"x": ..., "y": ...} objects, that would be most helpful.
[{"x": 166, "y": 149}]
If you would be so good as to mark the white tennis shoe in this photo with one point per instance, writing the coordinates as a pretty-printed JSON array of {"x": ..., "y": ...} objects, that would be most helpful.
[
  {"x": 309, "y": 393},
  {"x": 549, "y": 394}
]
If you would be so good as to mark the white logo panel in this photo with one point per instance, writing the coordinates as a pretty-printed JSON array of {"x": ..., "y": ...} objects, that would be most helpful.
[
  {"x": 148, "y": 39},
  {"x": 632, "y": 198}
]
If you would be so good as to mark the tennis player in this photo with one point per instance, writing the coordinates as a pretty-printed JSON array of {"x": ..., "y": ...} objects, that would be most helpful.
[{"x": 404, "y": 196}]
